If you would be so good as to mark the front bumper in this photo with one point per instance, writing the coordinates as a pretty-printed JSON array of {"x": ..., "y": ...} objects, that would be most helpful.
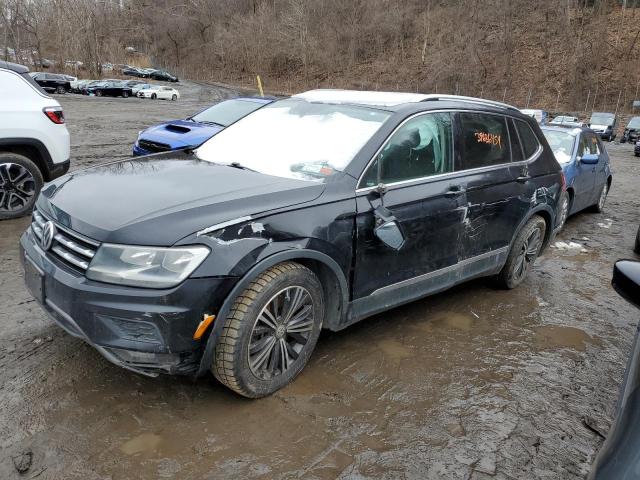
[{"x": 145, "y": 330}]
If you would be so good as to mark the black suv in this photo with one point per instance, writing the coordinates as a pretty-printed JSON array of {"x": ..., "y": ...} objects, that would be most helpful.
[
  {"x": 315, "y": 211},
  {"x": 52, "y": 82},
  {"x": 163, "y": 76}
]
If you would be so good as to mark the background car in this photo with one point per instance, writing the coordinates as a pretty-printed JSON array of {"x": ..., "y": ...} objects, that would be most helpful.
[
  {"x": 141, "y": 86},
  {"x": 604, "y": 124},
  {"x": 585, "y": 164},
  {"x": 159, "y": 92},
  {"x": 566, "y": 120},
  {"x": 76, "y": 86},
  {"x": 52, "y": 82},
  {"x": 34, "y": 141},
  {"x": 189, "y": 133},
  {"x": 164, "y": 76},
  {"x": 541, "y": 116},
  {"x": 109, "y": 89},
  {"x": 631, "y": 131}
]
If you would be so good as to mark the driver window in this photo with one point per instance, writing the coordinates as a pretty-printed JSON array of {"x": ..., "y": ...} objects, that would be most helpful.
[{"x": 420, "y": 148}]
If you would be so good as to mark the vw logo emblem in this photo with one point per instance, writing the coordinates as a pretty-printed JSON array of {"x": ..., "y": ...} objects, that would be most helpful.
[{"x": 48, "y": 232}]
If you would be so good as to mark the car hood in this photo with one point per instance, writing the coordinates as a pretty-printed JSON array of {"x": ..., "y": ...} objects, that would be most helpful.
[
  {"x": 160, "y": 199},
  {"x": 180, "y": 133}
]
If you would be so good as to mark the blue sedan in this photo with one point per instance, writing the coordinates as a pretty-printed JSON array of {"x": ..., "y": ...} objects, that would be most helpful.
[
  {"x": 195, "y": 130},
  {"x": 585, "y": 164}
]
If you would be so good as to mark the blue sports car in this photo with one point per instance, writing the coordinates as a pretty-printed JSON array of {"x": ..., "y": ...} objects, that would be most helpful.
[
  {"x": 195, "y": 130},
  {"x": 585, "y": 164}
]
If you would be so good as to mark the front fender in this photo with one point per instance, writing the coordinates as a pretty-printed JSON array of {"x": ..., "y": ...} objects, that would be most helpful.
[{"x": 252, "y": 273}]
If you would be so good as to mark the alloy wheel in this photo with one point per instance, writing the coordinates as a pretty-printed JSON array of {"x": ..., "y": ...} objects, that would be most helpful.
[
  {"x": 564, "y": 210},
  {"x": 528, "y": 253},
  {"x": 17, "y": 187},
  {"x": 280, "y": 332}
]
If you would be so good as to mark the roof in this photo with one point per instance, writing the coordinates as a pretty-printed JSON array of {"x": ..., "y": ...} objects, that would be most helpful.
[
  {"x": 263, "y": 100},
  {"x": 386, "y": 99},
  {"x": 13, "y": 66}
]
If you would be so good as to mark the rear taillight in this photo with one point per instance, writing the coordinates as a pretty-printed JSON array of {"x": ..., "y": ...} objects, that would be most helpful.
[{"x": 55, "y": 114}]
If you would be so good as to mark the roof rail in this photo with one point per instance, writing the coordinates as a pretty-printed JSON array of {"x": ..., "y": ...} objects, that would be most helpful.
[{"x": 460, "y": 98}]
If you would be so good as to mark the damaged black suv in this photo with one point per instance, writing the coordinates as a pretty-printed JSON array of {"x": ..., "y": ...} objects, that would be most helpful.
[{"x": 314, "y": 212}]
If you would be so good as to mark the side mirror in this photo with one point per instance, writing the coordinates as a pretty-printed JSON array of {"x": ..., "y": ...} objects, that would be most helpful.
[
  {"x": 387, "y": 229},
  {"x": 590, "y": 158},
  {"x": 626, "y": 280},
  {"x": 390, "y": 234}
]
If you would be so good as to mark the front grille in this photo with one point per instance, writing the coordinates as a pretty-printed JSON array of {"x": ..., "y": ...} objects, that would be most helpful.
[
  {"x": 150, "y": 146},
  {"x": 73, "y": 249}
]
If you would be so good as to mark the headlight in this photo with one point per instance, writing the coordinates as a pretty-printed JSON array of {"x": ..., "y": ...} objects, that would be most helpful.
[{"x": 151, "y": 267}]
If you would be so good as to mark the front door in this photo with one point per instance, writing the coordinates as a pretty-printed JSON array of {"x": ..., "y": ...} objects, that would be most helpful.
[{"x": 415, "y": 170}]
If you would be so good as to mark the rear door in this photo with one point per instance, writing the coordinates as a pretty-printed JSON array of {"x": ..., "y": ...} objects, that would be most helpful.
[
  {"x": 415, "y": 165},
  {"x": 493, "y": 193}
]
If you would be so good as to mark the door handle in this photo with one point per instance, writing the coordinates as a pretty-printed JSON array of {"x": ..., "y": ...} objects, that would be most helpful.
[
  {"x": 454, "y": 191},
  {"x": 523, "y": 179}
]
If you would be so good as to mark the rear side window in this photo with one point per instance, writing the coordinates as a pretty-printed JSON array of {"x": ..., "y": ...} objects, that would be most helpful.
[
  {"x": 528, "y": 139},
  {"x": 485, "y": 140},
  {"x": 420, "y": 148},
  {"x": 516, "y": 149}
]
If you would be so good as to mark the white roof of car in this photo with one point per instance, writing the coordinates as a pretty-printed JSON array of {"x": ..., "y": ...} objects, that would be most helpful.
[{"x": 384, "y": 99}]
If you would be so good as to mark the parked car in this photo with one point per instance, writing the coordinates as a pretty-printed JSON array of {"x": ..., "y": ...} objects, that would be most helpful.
[
  {"x": 109, "y": 89},
  {"x": 52, "y": 82},
  {"x": 585, "y": 164},
  {"x": 141, "y": 86},
  {"x": 34, "y": 141},
  {"x": 313, "y": 212},
  {"x": 189, "y": 133},
  {"x": 566, "y": 121},
  {"x": 133, "y": 83},
  {"x": 163, "y": 75},
  {"x": 78, "y": 85},
  {"x": 84, "y": 88},
  {"x": 159, "y": 92},
  {"x": 604, "y": 124},
  {"x": 541, "y": 116},
  {"x": 131, "y": 71},
  {"x": 631, "y": 131},
  {"x": 618, "y": 458}
]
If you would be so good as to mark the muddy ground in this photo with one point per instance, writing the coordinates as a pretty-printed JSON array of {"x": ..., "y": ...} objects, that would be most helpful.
[{"x": 472, "y": 383}]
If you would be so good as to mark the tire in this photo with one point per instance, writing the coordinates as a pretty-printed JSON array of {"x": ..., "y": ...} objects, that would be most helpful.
[
  {"x": 125, "y": 94},
  {"x": 524, "y": 251},
  {"x": 98, "y": 93},
  {"x": 563, "y": 209},
  {"x": 249, "y": 354},
  {"x": 174, "y": 97},
  {"x": 60, "y": 89},
  {"x": 636, "y": 247},
  {"x": 153, "y": 96},
  {"x": 20, "y": 183},
  {"x": 602, "y": 198}
]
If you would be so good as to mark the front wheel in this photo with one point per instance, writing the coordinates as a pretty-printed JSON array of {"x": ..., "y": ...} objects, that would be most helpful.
[
  {"x": 599, "y": 207},
  {"x": 60, "y": 89},
  {"x": 153, "y": 96},
  {"x": 20, "y": 182},
  {"x": 523, "y": 253},
  {"x": 174, "y": 97},
  {"x": 271, "y": 331},
  {"x": 125, "y": 94},
  {"x": 98, "y": 93}
]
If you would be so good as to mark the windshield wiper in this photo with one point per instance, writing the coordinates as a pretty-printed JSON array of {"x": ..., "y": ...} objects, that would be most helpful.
[
  {"x": 210, "y": 123},
  {"x": 240, "y": 166}
]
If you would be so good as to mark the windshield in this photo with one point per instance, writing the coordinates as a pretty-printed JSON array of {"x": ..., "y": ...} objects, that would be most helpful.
[
  {"x": 561, "y": 143},
  {"x": 226, "y": 113},
  {"x": 295, "y": 139},
  {"x": 564, "y": 119},
  {"x": 602, "y": 119},
  {"x": 634, "y": 123}
]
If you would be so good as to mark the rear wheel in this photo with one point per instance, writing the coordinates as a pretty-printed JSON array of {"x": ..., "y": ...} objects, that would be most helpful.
[
  {"x": 60, "y": 89},
  {"x": 174, "y": 97},
  {"x": 125, "y": 94},
  {"x": 270, "y": 331},
  {"x": 523, "y": 253},
  {"x": 563, "y": 210},
  {"x": 20, "y": 182},
  {"x": 154, "y": 96},
  {"x": 98, "y": 93},
  {"x": 599, "y": 207}
]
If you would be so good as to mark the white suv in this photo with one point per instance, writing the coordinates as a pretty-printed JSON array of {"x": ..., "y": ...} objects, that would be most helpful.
[{"x": 34, "y": 141}]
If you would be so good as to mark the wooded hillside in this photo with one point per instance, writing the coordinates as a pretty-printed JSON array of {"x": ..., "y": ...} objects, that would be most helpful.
[{"x": 578, "y": 54}]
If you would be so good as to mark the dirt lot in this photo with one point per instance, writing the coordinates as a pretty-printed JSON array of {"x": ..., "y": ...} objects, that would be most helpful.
[{"x": 473, "y": 383}]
